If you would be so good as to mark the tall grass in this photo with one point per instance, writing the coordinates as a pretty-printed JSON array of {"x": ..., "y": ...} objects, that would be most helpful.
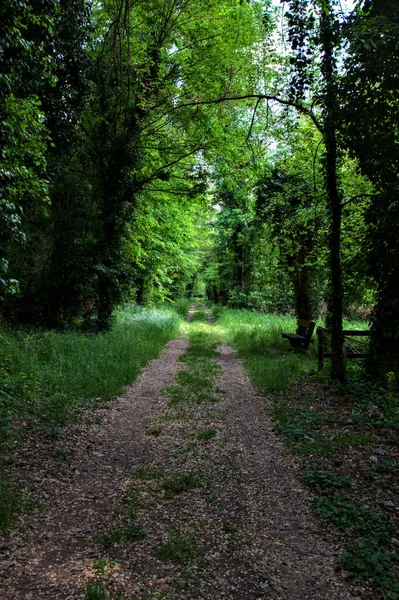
[
  {"x": 271, "y": 365},
  {"x": 181, "y": 306},
  {"x": 45, "y": 376}
]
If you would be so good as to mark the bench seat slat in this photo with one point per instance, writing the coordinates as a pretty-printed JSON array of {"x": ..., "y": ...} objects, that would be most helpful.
[{"x": 293, "y": 336}]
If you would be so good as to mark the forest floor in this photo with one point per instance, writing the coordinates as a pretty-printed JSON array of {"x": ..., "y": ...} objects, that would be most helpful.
[{"x": 181, "y": 490}]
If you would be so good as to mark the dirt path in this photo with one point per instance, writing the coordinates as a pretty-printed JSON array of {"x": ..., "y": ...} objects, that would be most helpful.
[{"x": 215, "y": 501}]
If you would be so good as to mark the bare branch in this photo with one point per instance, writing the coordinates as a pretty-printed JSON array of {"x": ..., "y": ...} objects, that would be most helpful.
[
  {"x": 259, "y": 100},
  {"x": 297, "y": 105}
]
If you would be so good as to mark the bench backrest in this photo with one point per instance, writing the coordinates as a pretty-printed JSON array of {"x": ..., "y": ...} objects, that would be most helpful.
[{"x": 305, "y": 328}]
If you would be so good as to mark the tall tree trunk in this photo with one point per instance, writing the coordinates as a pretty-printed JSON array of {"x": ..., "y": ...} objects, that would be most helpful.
[
  {"x": 333, "y": 194},
  {"x": 303, "y": 301}
]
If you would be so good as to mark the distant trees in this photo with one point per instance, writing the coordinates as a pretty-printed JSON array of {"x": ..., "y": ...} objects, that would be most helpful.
[
  {"x": 95, "y": 139},
  {"x": 285, "y": 201},
  {"x": 122, "y": 122}
]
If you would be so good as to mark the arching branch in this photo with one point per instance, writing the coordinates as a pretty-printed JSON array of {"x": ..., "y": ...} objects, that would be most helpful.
[{"x": 297, "y": 105}]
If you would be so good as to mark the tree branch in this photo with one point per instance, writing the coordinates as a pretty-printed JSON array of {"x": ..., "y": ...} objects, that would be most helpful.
[
  {"x": 358, "y": 197},
  {"x": 259, "y": 100},
  {"x": 297, "y": 105}
]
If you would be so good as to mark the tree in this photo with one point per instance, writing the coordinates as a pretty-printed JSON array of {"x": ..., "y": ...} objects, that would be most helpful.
[
  {"x": 371, "y": 133},
  {"x": 285, "y": 202},
  {"x": 25, "y": 70},
  {"x": 234, "y": 241},
  {"x": 306, "y": 34},
  {"x": 111, "y": 136}
]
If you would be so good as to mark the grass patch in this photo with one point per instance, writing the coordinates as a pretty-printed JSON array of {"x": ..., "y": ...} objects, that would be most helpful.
[
  {"x": 266, "y": 355},
  {"x": 326, "y": 481},
  {"x": 369, "y": 556},
  {"x": 46, "y": 376},
  {"x": 182, "y": 547},
  {"x": 182, "y": 306},
  {"x": 367, "y": 560},
  {"x": 183, "y": 395},
  {"x": 104, "y": 567},
  {"x": 200, "y": 315},
  {"x": 196, "y": 381},
  {"x": 346, "y": 516},
  {"x": 127, "y": 533},
  {"x": 11, "y": 502},
  {"x": 206, "y": 433},
  {"x": 155, "y": 430},
  {"x": 177, "y": 484},
  {"x": 146, "y": 473},
  {"x": 96, "y": 591}
]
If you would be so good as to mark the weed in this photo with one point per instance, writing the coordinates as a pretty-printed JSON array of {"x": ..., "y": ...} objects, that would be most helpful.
[
  {"x": 212, "y": 499},
  {"x": 300, "y": 429},
  {"x": 345, "y": 516},
  {"x": 11, "y": 501},
  {"x": 95, "y": 591},
  {"x": 131, "y": 504},
  {"x": 199, "y": 315},
  {"x": 207, "y": 433},
  {"x": 230, "y": 528},
  {"x": 177, "y": 484},
  {"x": 217, "y": 311},
  {"x": 146, "y": 473},
  {"x": 182, "y": 306},
  {"x": 104, "y": 567},
  {"x": 367, "y": 560},
  {"x": 181, "y": 546},
  {"x": 62, "y": 455},
  {"x": 172, "y": 415},
  {"x": 155, "y": 431},
  {"x": 326, "y": 481},
  {"x": 180, "y": 450},
  {"x": 127, "y": 533},
  {"x": 194, "y": 381}
]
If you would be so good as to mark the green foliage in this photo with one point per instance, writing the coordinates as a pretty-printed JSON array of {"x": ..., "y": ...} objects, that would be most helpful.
[
  {"x": 346, "y": 515},
  {"x": 129, "y": 532},
  {"x": 370, "y": 112},
  {"x": 181, "y": 306},
  {"x": 47, "y": 376},
  {"x": 285, "y": 201},
  {"x": 181, "y": 547},
  {"x": 374, "y": 405},
  {"x": 177, "y": 484},
  {"x": 368, "y": 556},
  {"x": 96, "y": 591},
  {"x": 367, "y": 560},
  {"x": 326, "y": 481},
  {"x": 257, "y": 337},
  {"x": 11, "y": 501},
  {"x": 206, "y": 433}
]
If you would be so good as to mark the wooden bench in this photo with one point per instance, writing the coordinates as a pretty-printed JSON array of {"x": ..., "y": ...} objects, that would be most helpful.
[
  {"x": 353, "y": 347},
  {"x": 303, "y": 336}
]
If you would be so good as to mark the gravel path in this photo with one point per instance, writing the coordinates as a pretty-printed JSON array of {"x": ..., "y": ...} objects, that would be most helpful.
[{"x": 251, "y": 526}]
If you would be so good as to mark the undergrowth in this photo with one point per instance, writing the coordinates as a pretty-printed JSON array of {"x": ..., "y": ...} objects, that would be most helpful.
[
  {"x": 266, "y": 355},
  {"x": 47, "y": 377}
]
